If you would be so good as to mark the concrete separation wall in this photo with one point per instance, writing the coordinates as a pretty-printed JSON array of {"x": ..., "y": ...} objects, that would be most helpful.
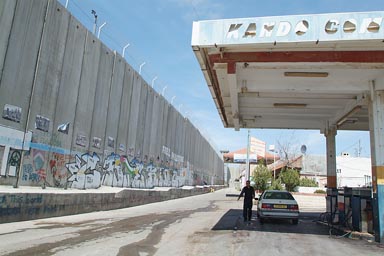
[
  {"x": 34, "y": 205},
  {"x": 75, "y": 114}
]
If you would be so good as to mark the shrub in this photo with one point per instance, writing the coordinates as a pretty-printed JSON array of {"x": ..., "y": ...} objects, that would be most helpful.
[
  {"x": 276, "y": 185},
  {"x": 319, "y": 191},
  {"x": 261, "y": 176},
  {"x": 305, "y": 182},
  {"x": 290, "y": 178}
]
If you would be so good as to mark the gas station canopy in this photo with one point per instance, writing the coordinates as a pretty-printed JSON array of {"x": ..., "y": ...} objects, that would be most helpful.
[{"x": 295, "y": 72}]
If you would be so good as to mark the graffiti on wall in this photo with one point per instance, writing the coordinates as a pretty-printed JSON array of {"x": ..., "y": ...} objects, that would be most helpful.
[
  {"x": 45, "y": 163},
  {"x": 14, "y": 163},
  {"x": 58, "y": 170},
  {"x": 33, "y": 170},
  {"x": 87, "y": 171},
  {"x": 39, "y": 164},
  {"x": 84, "y": 172}
]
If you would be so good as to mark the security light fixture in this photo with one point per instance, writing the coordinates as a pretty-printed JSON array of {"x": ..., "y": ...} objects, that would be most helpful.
[
  {"x": 306, "y": 74},
  {"x": 289, "y": 105}
]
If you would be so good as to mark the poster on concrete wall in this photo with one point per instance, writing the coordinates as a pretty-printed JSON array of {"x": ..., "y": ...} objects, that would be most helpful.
[
  {"x": 111, "y": 142},
  {"x": 166, "y": 151},
  {"x": 81, "y": 140},
  {"x": 96, "y": 142},
  {"x": 12, "y": 113},
  {"x": 12, "y": 171},
  {"x": 42, "y": 123}
]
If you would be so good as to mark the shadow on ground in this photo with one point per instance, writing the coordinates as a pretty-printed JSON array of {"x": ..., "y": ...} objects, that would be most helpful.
[{"x": 233, "y": 220}]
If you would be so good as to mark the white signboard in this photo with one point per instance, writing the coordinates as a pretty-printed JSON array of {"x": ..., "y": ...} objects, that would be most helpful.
[
  {"x": 257, "y": 147},
  {"x": 242, "y": 158},
  {"x": 14, "y": 138}
]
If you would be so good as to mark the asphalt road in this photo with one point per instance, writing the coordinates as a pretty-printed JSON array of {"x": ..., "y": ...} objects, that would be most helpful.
[{"x": 209, "y": 224}]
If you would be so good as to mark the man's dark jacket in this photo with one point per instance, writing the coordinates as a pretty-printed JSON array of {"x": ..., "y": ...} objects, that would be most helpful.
[{"x": 249, "y": 194}]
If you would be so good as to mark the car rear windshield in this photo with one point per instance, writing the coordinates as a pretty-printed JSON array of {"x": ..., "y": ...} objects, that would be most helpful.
[{"x": 278, "y": 195}]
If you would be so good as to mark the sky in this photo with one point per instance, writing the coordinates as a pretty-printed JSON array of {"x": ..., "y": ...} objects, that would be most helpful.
[{"x": 159, "y": 34}]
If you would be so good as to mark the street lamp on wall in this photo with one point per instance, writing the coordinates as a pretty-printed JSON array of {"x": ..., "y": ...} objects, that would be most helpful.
[
  {"x": 124, "y": 48},
  {"x": 141, "y": 66},
  {"x": 153, "y": 82},
  {"x": 163, "y": 91},
  {"x": 102, "y": 25}
]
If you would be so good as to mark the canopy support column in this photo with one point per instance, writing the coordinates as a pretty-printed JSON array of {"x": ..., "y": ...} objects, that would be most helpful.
[
  {"x": 376, "y": 129},
  {"x": 330, "y": 135}
]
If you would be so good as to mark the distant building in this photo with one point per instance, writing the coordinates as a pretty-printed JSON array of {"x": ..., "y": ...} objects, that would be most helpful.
[
  {"x": 239, "y": 156},
  {"x": 350, "y": 171},
  {"x": 353, "y": 171},
  {"x": 235, "y": 161}
]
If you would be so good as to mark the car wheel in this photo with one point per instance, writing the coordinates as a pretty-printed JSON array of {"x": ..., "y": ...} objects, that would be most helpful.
[{"x": 295, "y": 221}]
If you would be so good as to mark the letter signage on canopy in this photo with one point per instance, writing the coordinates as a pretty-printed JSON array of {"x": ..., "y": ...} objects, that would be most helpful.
[{"x": 285, "y": 29}]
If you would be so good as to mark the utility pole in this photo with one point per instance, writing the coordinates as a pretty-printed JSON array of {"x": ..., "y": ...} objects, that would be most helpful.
[{"x": 248, "y": 171}]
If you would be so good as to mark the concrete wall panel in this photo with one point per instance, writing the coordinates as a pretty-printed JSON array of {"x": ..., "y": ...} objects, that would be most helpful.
[
  {"x": 154, "y": 138},
  {"x": 134, "y": 114},
  {"x": 21, "y": 58},
  {"x": 177, "y": 133},
  {"x": 141, "y": 120},
  {"x": 99, "y": 118},
  {"x": 7, "y": 11},
  {"x": 170, "y": 129},
  {"x": 86, "y": 97},
  {"x": 180, "y": 130},
  {"x": 184, "y": 127},
  {"x": 164, "y": 129},
  {"x": 173, "y": 128},
  {"x": 48, "y": 74},
  {"x": 186, "y": 141},
  {"x": 69, "y": 82},
  {"x": 122, "y": 136},
  {"x": 148, "y": 124},
  {"x": 160, "y": 126},
  {"x": 113, "y": 117}
]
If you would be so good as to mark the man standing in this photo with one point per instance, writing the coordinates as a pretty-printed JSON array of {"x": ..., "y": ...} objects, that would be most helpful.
[{"x": 249, "y": 194}]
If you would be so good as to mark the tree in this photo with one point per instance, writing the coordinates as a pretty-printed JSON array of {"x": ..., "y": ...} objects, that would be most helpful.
[
  {"x": 305, "y": 182},
  {"x": 262, "y": 177},
  {"x": 288, "y": 148},
  {"x": 276, "y": 185},
  {"x": 290, "y": 178}
]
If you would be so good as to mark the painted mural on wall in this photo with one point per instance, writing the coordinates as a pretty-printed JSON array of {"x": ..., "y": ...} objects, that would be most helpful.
[
  {"x": 88, "y": 171},
  {"x": 49, "y": 165},
  {"x": 83, "y": 171}
]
